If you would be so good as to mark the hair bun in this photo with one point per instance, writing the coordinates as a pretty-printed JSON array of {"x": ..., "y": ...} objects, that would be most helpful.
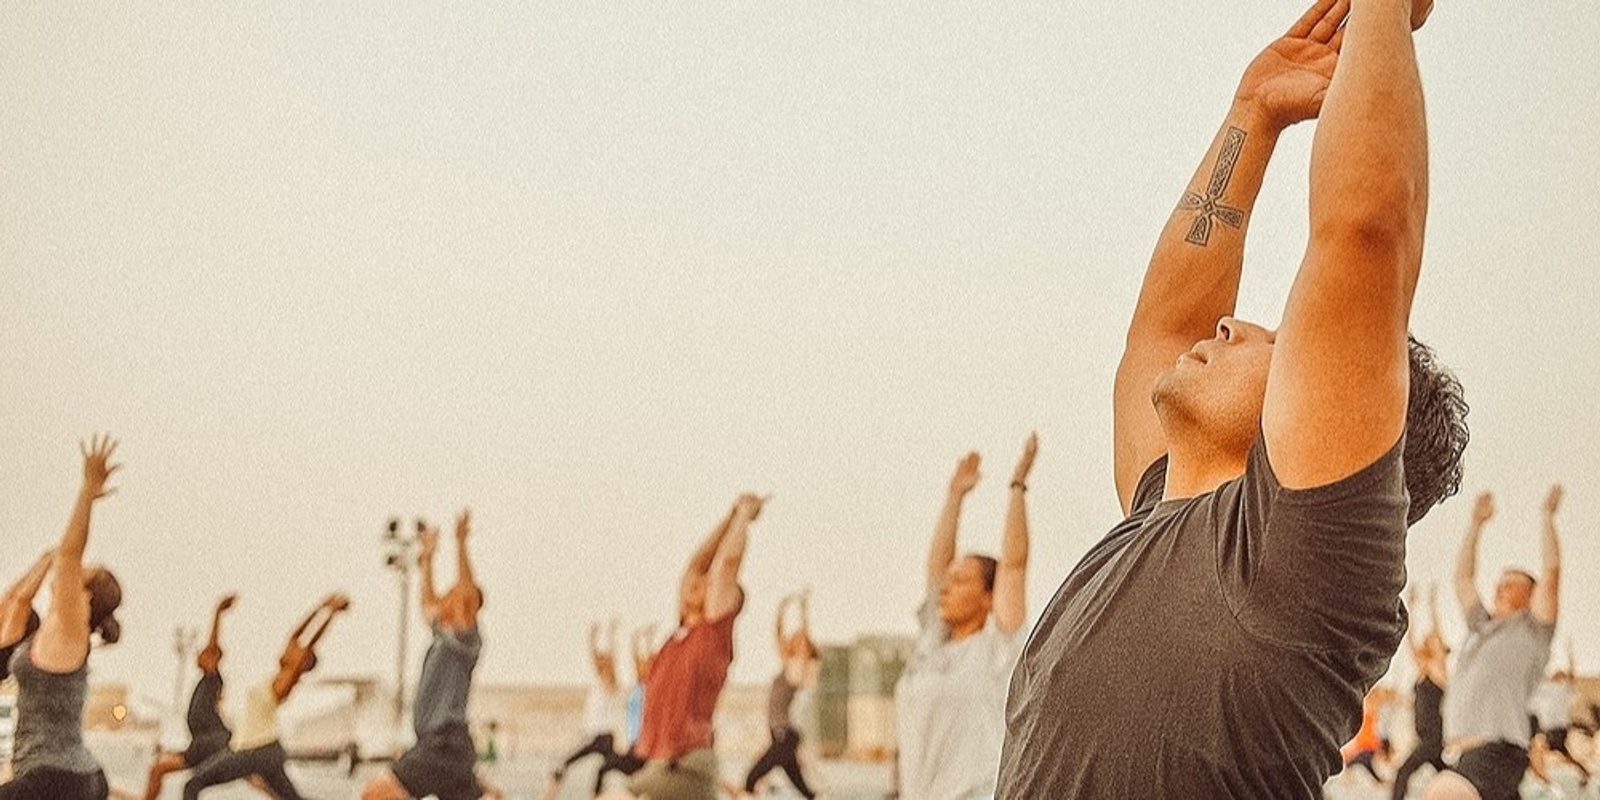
[{"x": 110, "y": 630}]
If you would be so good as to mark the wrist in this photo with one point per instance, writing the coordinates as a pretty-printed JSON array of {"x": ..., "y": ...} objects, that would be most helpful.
[
  {"x": 1251, "y": 114},
  {"x": 1019, "y": 484}
]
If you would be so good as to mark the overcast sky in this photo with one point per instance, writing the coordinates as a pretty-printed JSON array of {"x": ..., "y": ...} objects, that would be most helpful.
[{"x": 593, "y": 269}]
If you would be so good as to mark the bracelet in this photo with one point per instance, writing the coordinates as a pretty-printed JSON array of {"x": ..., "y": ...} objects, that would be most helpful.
[{"x": 1019, "y": 485}]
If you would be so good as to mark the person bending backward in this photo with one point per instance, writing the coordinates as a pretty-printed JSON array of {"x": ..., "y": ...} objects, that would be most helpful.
[
  {"x": 208, "y": 733},
  {"x": 800, "y": 667},
  {"x": 1501, "y": 663},
  {"x": 256, "y": 750},
  {"x": 51, "y": 664},
  {"x": 689, "y": 670},
  {"x": 1427, "y": 695},
  {"x": 1218, "y": 641},
  {"x": 442, "y": 761},
  {"x": 950, "y": 700},
  {"x": 602, "y": 710}
]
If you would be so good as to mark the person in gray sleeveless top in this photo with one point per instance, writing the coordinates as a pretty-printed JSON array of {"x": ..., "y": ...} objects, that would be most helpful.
[
  {"x": 800, "y": 669},
  {"x": 52, "y": 667},
  {"x": 1501, "y": 663}
]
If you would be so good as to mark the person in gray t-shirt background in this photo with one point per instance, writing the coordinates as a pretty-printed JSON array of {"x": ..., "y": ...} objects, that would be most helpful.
[{"x": 1501, "y": 663}]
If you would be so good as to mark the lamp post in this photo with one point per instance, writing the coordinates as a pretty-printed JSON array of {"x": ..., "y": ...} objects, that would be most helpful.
[
  {"x": 183, "y": 642},
  {"x": 400, "y": 555}
]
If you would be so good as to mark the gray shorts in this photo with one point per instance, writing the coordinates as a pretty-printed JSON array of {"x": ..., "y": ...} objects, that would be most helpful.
[{"x": 692, "y": 777}]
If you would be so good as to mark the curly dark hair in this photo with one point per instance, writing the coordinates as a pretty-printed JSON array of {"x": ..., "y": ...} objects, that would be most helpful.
[{"x": 1436, "y": 432}]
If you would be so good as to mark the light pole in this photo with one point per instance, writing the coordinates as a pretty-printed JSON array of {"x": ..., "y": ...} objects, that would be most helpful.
[
  {"x": 183, "y": 641},
  {"x": 400, "y": 555}
]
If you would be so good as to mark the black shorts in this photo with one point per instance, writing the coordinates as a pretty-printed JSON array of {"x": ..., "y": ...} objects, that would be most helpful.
[
  {"x": 56, "y": 784},
  {"x": 440, "y": 764},
  {"x": 1494, "y": 769}
]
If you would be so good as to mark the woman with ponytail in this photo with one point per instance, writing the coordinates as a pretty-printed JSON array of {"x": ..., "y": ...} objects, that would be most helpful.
[{"x": 51, "y": 667}]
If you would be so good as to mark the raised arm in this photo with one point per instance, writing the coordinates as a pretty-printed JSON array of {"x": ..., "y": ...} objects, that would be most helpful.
[
  {"x": 804, "y": 631},
  {"x": 1193, "y": 276},
  {"x": 427, "y": 543},
  {"x": 17, "y": 603},
  {"x": 209, "y": 659},
  {"x": 1466, "y": 578},
  {"x": 332, "y": 605},
  {"x": 699, "y": 565},
  {"x": 1011, "y": 574},
  {"x": 942, "y": 550},
  {"x": 780, "y": 637},
  {"x": 62, "y": 643},
  {"x": 722, "y": 587},
  {"x": 1545, "y": 603},
  {"x": 464, "y": 574},
  {"x": 1413, "y": 640},
  {"x": 1337, "y": 388},
  {"x": 299, "y": 652}
]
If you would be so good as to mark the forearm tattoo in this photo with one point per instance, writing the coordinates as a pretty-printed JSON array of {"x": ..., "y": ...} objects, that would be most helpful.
[{"x": 1210, "y": 206}]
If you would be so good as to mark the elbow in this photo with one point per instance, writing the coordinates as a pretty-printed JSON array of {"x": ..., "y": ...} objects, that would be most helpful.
[{"x": 1379, "y": 223}]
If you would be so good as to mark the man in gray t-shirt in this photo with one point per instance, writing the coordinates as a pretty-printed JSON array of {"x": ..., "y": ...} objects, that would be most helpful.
[
  {"x": 1500, "y": 666},
  {"x": 1218, "y": 641}
]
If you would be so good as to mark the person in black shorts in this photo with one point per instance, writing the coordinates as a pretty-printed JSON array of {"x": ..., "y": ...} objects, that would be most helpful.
[
  {"x": 208, "y": 734},
  {"x": 255, "y": 749},
  {"x": 1551, "y": 721},
  {"x": 1217, "y": 642},
  {"x": 442, "y": 762},
  {"x": 1427, "y": 696}
]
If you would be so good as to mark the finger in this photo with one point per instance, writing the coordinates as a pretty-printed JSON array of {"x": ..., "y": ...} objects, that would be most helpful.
[
  {"x": 1331, "y": 22},
  {"x": 1337, "y": 41},
  {"x": 113, "y": 446},
  {"x": 83, "y": 448},
  {"x": 1302, "y": 27}
]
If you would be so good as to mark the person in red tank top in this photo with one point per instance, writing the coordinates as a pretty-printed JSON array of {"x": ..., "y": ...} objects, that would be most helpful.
[{"x": 692, "y": 666}]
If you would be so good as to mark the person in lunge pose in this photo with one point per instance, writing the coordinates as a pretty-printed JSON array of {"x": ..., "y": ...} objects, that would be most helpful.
[
  {"x": 950, "y": 701},
  {"x": 208, "y": 734},
  {"x": 1218, "y": 641},
  {"x": 1550, "y": 710},
  {"x": 1427, "y": 694},
  {"x": 692, "y": 666},
  {"x": 1501, "y": 663},
  {"x": 799, "y": 669},
  {"x": 602, "y": 711},
  {"x": 443, "y": 760},
  {"x": 51, "y": 663},
  {"x": 255, "y": 750}
]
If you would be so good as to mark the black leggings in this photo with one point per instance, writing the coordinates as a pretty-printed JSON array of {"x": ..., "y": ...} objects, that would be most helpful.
[
  {"x": 785, "y": 754},
  {"x": 1422, "y": 755},
  {"x": 602, "y": 745},
  {"x": 57, "y": 785},
  {"x": 625, "y": 763},
  {"x": 227, "y": 766}
]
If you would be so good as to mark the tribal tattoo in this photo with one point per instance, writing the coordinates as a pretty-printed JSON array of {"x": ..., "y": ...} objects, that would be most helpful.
[{"x": 1210, "y": 205}]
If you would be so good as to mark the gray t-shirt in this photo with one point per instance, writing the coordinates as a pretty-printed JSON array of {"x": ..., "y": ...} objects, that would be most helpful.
[
  {"x": 1500, "y": 665},
  {"x": 446, "y": 679},
  {"x": 1214, "y": 646}
]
